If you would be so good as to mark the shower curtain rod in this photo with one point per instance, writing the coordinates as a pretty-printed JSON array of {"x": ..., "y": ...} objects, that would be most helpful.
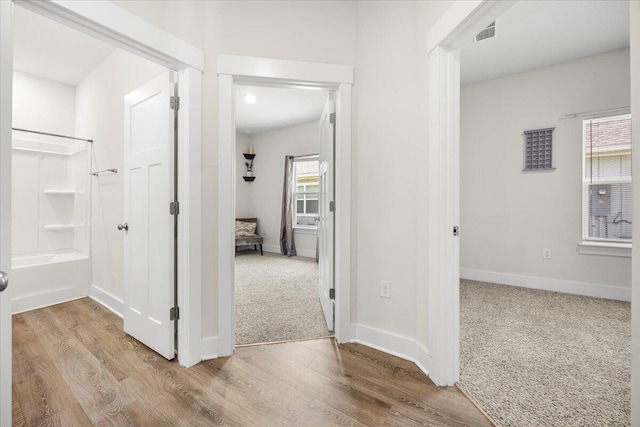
[{"x": 53, "y": 134}]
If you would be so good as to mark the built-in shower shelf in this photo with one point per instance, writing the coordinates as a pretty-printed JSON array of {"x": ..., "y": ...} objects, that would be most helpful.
[
  {"x": 60, "y": 192},
  {"x": 62, "y": 227}
]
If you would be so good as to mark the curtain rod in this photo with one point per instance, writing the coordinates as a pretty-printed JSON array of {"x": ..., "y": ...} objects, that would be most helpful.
[
  {"x": 52, "y": 134},
  {"x": 589, "y": 113}
]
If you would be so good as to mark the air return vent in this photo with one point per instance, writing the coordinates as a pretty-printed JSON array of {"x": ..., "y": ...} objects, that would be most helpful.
[{"x": 487, "y": 33}]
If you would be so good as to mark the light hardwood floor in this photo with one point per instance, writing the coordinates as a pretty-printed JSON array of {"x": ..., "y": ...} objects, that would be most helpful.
[{"x": 73, "y": 365}]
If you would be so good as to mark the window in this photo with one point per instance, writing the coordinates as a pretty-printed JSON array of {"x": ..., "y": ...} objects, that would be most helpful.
[
  {"x": 607, "y": 199},
  {"x": 307, "y": 186}
]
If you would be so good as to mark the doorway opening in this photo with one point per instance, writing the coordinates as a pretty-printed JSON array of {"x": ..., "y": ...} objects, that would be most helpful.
[
  {"x": 283, "y": 266},
  {"x": 463, "y": 117},
  {"x": 235, "y": 72}
]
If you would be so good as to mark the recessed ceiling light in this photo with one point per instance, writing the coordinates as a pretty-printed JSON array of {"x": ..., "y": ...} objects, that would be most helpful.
[{"x": 249, "y": 98}]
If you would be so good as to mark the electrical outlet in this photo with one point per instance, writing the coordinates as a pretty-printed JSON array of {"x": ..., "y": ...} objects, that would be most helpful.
[
  {"x": 385, "y": 289},
  {"x": 546, "y": 253}
]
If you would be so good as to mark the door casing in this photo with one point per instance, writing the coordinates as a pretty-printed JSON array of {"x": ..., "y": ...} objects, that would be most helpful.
[{"x": 233, "y": 70}]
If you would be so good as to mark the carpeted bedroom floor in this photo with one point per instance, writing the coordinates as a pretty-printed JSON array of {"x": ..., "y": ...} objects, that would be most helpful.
[
  {"x": 277, "y": 299},
  {"x": 539, "y": 358}
]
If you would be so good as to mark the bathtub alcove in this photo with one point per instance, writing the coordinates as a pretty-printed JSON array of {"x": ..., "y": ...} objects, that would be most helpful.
[{"x": 51, "y": 211}]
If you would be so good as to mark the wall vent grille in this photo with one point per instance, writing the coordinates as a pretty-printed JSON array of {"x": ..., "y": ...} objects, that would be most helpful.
[{"x": 487, "y": 33}]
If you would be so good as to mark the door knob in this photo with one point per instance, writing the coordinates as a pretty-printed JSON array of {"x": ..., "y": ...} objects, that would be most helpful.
[
  {"x": 124, "y": 226},
  {"x": 4, "y": 281}
]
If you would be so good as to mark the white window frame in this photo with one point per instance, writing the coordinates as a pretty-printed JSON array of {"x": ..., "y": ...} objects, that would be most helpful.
[
  {"x": 298, "y": 159},
  {"x": 594, "y": 245}
]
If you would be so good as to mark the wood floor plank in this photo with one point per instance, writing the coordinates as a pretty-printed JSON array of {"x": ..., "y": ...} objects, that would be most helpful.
[
  {"x": 17, "y": 417},
  {"x": 95, "y": 389},
  {"x": 321, "y": 415},
  {"x": 74, "y": 366}
]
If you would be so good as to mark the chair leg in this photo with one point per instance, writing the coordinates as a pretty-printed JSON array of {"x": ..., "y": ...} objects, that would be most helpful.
[
  {"x": 255, "y": 248},
  {"x": 261, "y": 249}
]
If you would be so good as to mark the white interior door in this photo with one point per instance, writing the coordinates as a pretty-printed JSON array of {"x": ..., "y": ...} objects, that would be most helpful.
[
  {"x": 326, "y": 216},
  {"x": 6, "y": 77},
  {"x": 149, "y": 240}
]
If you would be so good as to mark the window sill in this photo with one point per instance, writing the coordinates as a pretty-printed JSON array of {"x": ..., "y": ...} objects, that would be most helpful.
[
  {"x": 605, "y": 248},
  {"x": 305, "y": 230}
]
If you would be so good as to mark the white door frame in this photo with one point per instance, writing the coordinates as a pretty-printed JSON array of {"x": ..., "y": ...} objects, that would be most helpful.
[
  {"x": 461, "y": 22},
  {"x": 273, "y": 72},
  {"x": 6, "y": 81},
  {"x": 114, "y": 25}
]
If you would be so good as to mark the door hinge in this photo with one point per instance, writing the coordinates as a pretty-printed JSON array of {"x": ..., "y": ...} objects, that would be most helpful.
[
  {"x": 174, "y": 313},
  {"x": 332, "y": 118},
  {"x": 332, "y": 293},
  {"x": 456, "y": 230},
  {"x": 332, "y": 206},
  {"x": 174, "y": 208},
  {"x": 174, "y": 103}
]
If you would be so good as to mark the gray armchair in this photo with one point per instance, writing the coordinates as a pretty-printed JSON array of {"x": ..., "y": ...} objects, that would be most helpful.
[{"x": 243, "y": 238}]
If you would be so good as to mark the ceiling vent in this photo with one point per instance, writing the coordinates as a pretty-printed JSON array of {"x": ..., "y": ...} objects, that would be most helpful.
[{"x": 487, "y": 33}]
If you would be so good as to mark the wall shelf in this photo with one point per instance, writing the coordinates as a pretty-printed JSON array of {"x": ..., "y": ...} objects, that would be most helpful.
[
  {"x": 61, "y": 227},
  {"x": 60, "y": 192}
]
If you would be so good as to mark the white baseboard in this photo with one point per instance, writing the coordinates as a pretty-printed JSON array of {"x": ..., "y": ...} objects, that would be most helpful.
[
  {"x": 209, "y": 348},
  {"x": 309, "y": 253},
  {"x": 113, "y": 303},
  {"x": 45, "y": 299},
  {"x": 547, "y": 284},
  {"x": 396, "y": 345}
]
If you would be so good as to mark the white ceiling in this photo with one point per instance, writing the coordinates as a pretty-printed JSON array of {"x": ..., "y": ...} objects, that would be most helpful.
[
  {"x": 275, "y": 108},
  {"x": 536, "y": 34},
  {"x": 47, "y": 49}
]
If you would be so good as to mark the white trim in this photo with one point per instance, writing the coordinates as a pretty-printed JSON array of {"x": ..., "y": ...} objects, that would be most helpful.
[
  {"x": 6, "y": 87},
  {"x": 114, "y": 25},
  {"x": 226, "y": 214},
  {"x": 44, "y": 299},
  {"x": 209, "y": 348},
  {"x": 453, "y": 18},
  {"x": 605, "y": 248},
  {"x": 111, "y": 302},
  {"x": 548, "y": 284},
  {"x": 396, "y": 345},
  {"x": 269, "y": 72},
  {"x": 463, "y": 20},
  {"x": 190, "y": 218},
  {"x": 292, "y": 71},
  {"x": 118, "y": 27},
  {"x": 305, "y": 230}
]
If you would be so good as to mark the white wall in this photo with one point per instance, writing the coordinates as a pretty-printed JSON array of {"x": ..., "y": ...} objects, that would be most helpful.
[
  {"x": 264, "y": 195},
  {"x": 386, "y": 43},
  {"x": 43, "y": 105},
  {"x": 100, "y": 116},
  {"x": 507, "y": 216}
]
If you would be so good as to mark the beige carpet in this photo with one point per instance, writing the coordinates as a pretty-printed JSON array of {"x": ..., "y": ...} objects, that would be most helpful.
[
  {"x": 539, "y": 358},
  {"x": 277, "y": 298}
]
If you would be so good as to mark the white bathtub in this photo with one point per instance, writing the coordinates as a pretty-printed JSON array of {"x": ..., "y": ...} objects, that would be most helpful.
[{"x": 46, "y": 279}]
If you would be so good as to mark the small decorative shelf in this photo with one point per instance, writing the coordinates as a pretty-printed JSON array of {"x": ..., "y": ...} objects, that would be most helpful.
[{"x": 248, "y": 176}]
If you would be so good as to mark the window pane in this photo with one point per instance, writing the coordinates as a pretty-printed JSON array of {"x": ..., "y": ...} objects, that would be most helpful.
[
  {"x": 312, "y": 187},
  {"x": 610, "y": 212},
  {"x": 308, "y": 220},
  {"x": 312, "y": 206},
  {"x": 300, "y": 206}
]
